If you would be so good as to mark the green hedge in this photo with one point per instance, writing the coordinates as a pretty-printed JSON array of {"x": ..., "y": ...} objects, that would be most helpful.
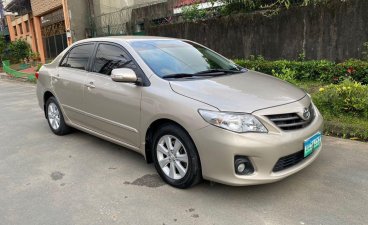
[{"x": 316, "y": 70}]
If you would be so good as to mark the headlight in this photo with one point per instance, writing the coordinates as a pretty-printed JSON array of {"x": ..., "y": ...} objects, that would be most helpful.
[{"x": 237, "y": 122}]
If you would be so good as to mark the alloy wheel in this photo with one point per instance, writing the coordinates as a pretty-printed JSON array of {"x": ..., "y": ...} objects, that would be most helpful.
[
  {"x": 172, "y": 157},
  {"x": 53, "y": 114}
]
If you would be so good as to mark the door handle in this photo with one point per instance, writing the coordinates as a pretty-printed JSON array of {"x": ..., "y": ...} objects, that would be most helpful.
[{"x": 90, "y": 85}]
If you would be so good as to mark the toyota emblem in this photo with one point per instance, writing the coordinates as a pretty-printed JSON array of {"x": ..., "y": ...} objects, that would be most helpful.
[{"x": 306, "y": 114}]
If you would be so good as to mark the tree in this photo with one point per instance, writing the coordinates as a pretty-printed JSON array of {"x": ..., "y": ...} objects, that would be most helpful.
[{"x": 3, "y": 46}]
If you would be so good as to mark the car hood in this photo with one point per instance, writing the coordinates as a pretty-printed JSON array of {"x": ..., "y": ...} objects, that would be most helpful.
[{"x": 245, "y": 92}]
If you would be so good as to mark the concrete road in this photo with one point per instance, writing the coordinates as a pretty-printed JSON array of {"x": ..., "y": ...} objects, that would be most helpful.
[{"x": 81, "y": 179}]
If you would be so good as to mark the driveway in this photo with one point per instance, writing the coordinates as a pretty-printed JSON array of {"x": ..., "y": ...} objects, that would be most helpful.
[{"x": 81, "y": 179}]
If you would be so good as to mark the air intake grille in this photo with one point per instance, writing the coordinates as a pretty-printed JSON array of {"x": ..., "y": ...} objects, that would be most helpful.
[
  {"x": 289, "y": 161},
  {"x": 292, "y": 121}
]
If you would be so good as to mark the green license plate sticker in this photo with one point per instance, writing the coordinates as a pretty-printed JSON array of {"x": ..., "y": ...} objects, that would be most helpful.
[{"x": 312, "y": 144}]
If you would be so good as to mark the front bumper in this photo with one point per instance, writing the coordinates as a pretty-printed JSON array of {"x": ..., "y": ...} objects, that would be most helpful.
[{"x": 217, "y": 149}]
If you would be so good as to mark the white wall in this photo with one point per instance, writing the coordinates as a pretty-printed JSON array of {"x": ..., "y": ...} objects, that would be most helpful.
[{"x": 107, "y": 6}]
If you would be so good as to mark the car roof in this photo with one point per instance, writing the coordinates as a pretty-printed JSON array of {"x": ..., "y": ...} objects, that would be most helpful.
[{"x": 126, "y": 38}]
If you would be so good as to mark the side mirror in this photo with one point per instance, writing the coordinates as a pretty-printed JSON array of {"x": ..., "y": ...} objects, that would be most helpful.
[{"x": 124, "y": 75}]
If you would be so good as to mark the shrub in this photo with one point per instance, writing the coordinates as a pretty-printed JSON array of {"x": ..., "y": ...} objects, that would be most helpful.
[
  {"x": 286, "y": 74},
  {"x": 353, "y": 68},
  {"x": 314, "y": 70},
  {"x": 348, "y": 98},
  {"x": 18, "y": 50},
  {"x": 234, "y": 6},
  {"x": 2, "y": 46},
  {"x": 192, "y": 13}
]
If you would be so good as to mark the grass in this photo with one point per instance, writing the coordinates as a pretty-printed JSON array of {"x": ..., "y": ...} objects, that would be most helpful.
[{"x": 344, "y": 126}]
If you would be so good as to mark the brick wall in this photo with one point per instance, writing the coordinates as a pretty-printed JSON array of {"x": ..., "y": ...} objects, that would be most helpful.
[{"x": 40, "y": 7}]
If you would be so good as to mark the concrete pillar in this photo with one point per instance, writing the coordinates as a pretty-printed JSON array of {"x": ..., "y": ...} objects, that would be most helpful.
[
  {"x": 11, "y": 28},
  {"x": 33, "y": 35},
  {"x": 39, "y": 40},
  {"x": 67, "y": 21}
]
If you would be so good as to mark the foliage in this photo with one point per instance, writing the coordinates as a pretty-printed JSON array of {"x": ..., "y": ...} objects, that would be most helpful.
[
  {"x": 34, "y": 55},
  {"x": 347, "y": 98},
  {"x": 270, "y": 7},
  {"x": 18, "y": 50},
  {"x": 344, "y": 104},
  {"x": 346, "y": 127},
  {"x": 315, "y": 70},
  {"x": 2, "y": 46},
  {"x": 235, "y": 6},
  {"x": 353, "y": 69},
  {"x": 341, "y": 124},
  {"x": 365, "y": 51},
  {"x": 192, "y": 13},
  {"x": 39, "y": 65},
  {"x": 273, "y": 6},
  {"x": 286, "y": 74},
  {"x": 345, "y": 109}
]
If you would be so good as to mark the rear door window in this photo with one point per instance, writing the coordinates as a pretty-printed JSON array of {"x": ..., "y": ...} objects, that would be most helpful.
[{"x": 78, "y": 57}]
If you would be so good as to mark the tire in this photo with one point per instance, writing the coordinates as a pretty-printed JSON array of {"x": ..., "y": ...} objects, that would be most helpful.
[
  {"x": 182, "y": 157},
  {"x": 55, "y": 117}
]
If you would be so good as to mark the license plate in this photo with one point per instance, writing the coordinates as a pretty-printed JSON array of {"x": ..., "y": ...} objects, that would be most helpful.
[{"x": 312, "y": 144}]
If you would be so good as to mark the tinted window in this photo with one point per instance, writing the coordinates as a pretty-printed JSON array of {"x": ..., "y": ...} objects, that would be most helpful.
[
  {"x": 78, "y": 57},
  {"x": 109, "y": 57},
  {"x": 166, "y": 57}
]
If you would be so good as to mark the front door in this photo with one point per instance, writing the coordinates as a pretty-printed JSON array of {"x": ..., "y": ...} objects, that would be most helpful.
[
  {"x": 113, "y": 108},
  {"x": 69, "y": 78}
]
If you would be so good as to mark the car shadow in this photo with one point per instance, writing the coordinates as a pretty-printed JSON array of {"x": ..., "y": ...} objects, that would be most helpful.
[{"x": 294, "y": 183}]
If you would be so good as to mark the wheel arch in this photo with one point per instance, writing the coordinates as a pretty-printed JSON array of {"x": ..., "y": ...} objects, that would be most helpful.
[
  {"x": 46, "y": 96},
  {"x": 153, "y": 127}
]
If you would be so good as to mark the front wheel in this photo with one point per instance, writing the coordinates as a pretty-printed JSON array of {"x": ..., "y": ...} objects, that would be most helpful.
[
  {"x": 175, "y": 157},
  {"x": 55, "y": 117}
]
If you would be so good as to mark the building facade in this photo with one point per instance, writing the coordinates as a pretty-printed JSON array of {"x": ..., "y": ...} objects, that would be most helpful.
[
  {"x": 49, "y": 26},
  {"x": 21, "y": 26}
]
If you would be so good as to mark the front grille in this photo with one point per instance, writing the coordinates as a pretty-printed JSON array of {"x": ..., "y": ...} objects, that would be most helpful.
[
  {"x": 292, "y": 121},
  {"x": 289, "y": 161}
]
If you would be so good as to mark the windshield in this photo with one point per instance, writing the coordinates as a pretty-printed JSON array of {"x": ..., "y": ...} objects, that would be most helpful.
[{"x": 170, "y": 57}]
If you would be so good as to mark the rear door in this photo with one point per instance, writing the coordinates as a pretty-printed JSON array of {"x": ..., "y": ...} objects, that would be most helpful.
[
  {"x": 113, "y": 108},
  {"x": 68, "y": 82}
]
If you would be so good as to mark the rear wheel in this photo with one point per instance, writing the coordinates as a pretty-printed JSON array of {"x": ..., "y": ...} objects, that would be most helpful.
[
  {"x": 175, "y": 157},
  {"x": 55, "y": 117}
]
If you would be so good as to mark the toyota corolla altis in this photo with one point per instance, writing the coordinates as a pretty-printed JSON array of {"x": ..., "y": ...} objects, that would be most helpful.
[{"x": 187, "y": 109}]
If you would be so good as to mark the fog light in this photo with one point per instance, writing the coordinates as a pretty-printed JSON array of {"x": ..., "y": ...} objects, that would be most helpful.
[{"x": 243, "y": 166}]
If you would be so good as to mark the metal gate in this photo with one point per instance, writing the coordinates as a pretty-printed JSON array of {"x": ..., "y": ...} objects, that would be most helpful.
[{"x": 53, "y": 33}]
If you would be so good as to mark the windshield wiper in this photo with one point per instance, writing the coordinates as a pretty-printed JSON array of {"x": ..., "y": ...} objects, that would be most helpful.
[
  {"x": 184, "y": 75},
  {"x": 179, "y": 75},
  {"x": 205, "y": 73},
  {"x": 218, "y": 71}
]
